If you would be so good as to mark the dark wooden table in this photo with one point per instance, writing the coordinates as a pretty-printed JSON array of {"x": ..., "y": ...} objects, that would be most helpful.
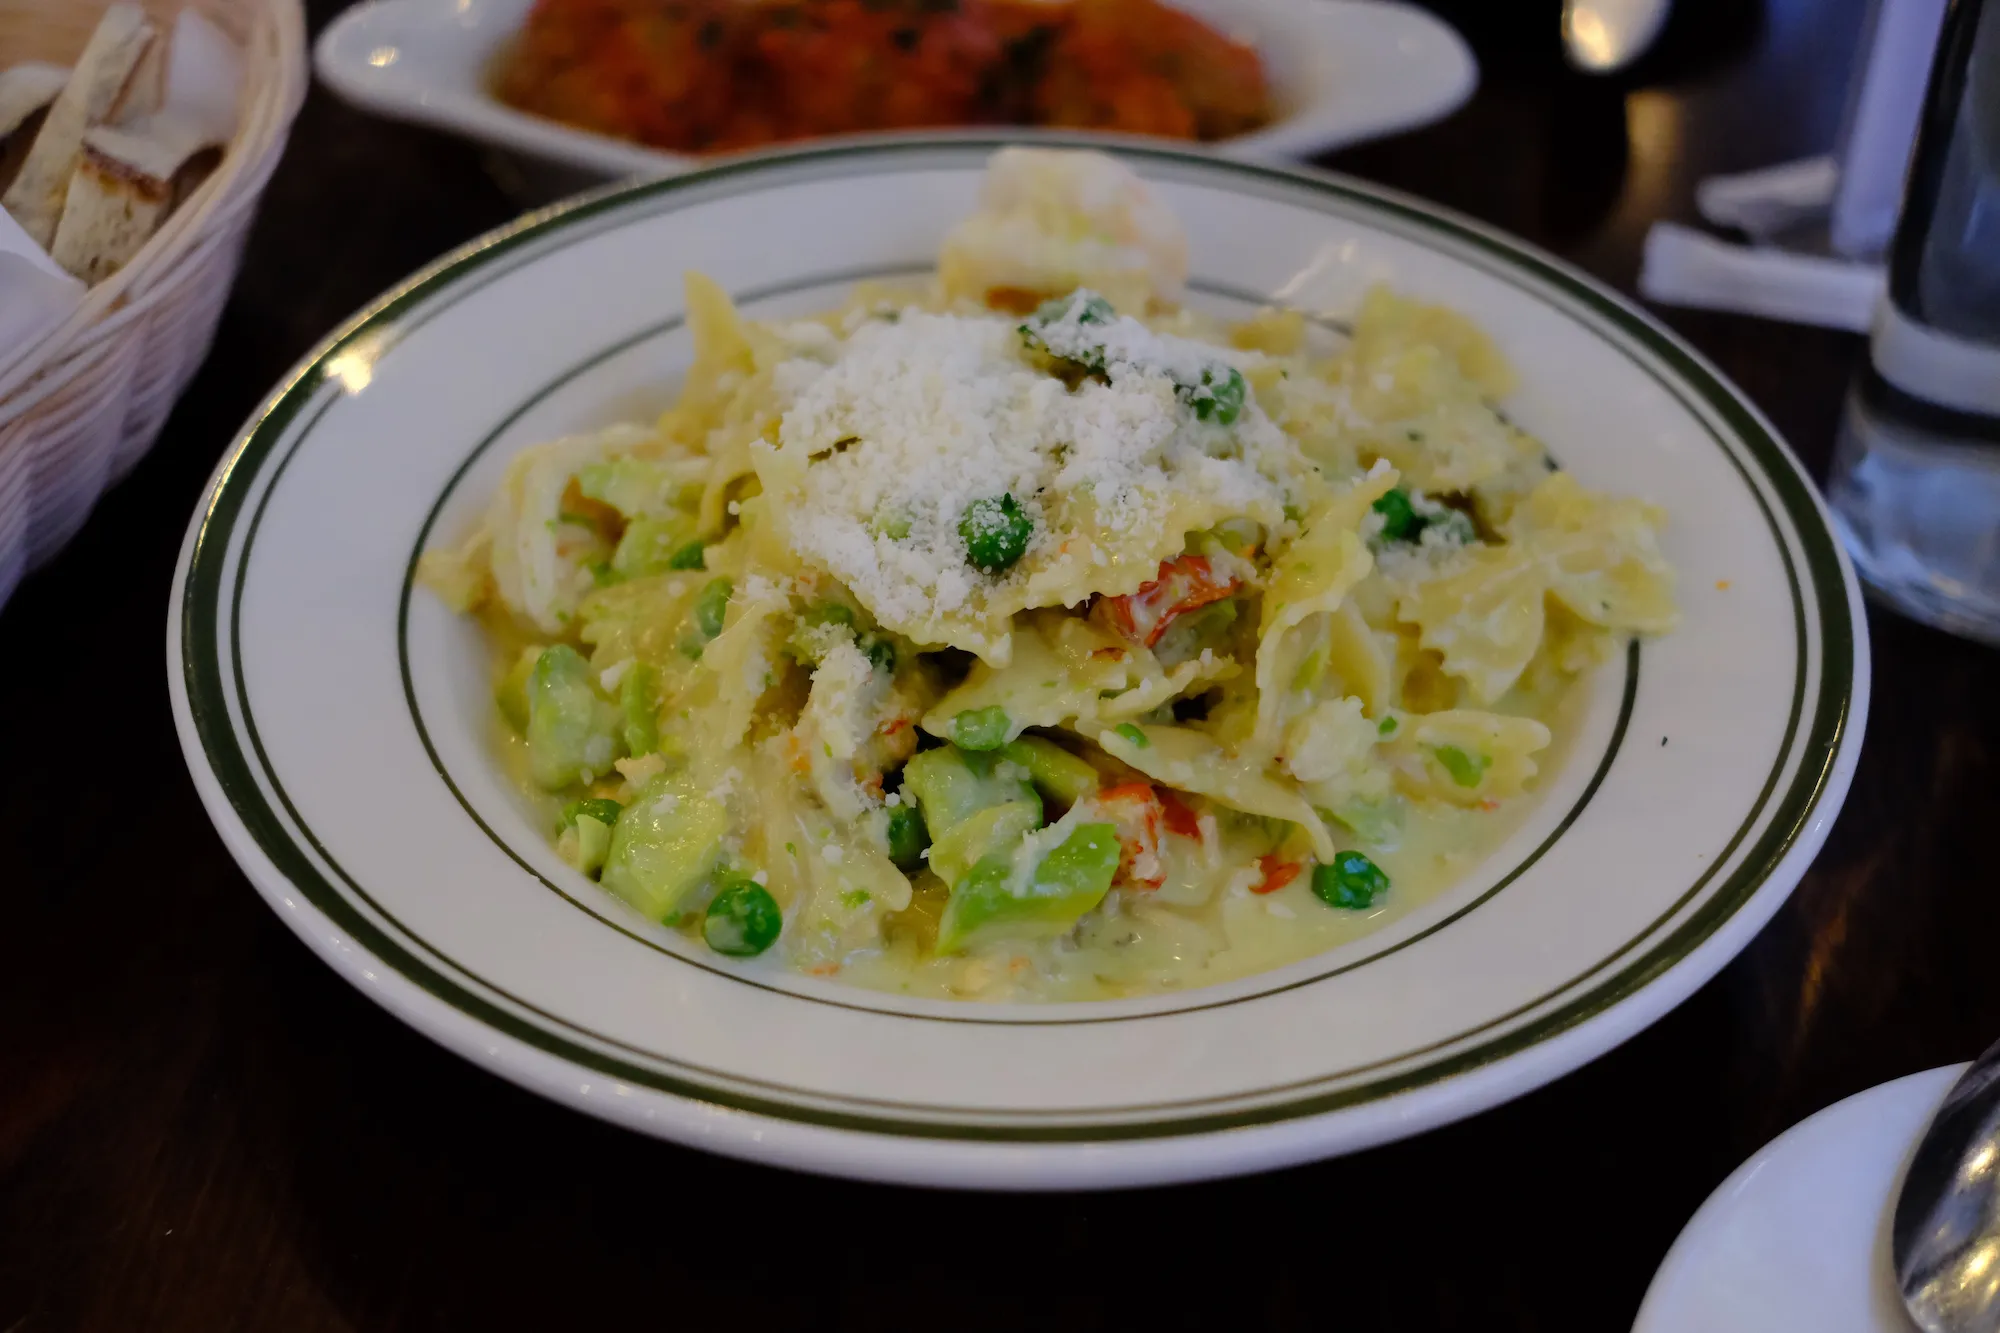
[{"x": 203, "y": 1128}]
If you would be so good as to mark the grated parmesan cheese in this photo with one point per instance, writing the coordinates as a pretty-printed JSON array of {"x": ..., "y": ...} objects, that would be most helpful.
[
  {"x": 1127, "y": 346},
  {"x": 916, "y": 419}
]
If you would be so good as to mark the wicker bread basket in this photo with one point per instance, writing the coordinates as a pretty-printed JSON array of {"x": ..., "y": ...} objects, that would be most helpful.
[{"x": 80, "y": 407}]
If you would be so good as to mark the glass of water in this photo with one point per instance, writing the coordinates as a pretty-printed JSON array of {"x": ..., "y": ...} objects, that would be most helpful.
[{"x": 1916, "y": 480}]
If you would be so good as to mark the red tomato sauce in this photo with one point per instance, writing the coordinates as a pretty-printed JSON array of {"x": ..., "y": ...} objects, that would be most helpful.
[{"x": 700, "y": 76}]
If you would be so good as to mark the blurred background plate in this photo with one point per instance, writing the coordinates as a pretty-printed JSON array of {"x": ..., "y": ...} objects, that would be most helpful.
[{"x": 1341, "y": 71}]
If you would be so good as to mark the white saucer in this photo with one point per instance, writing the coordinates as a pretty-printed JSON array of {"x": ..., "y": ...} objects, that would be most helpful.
[{"x": 1798, "y": 1238}]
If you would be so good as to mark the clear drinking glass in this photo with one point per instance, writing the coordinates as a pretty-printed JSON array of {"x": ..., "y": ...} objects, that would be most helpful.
[{"x": 1916, "y": 479}]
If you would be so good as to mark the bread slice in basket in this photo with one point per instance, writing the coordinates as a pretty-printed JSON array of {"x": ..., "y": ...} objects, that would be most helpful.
[
  {"x": 26, "y": 93},
  {"x": 121, "y": 73},
  {"x": 128, "y": 179}
]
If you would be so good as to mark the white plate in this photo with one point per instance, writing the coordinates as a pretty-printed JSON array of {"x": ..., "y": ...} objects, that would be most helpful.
[
  {"x": 1341, "y": 71},
  {"x": 1797, "y": 1240},
  {"x": 336, "y": 721}
]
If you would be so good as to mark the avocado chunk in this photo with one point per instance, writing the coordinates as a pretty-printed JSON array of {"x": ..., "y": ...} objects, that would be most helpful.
[
  {"x": 1056, "y": 773},
  {"x": 572, "y": 730},
  {"x": 995, "y": 901},
  {"x": 665, "y": 843}
]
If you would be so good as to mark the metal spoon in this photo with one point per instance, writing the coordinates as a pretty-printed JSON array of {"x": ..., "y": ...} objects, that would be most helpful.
[
  {"x": 1945, "y": 1239},
  {"x": 1605, "y": 35}
]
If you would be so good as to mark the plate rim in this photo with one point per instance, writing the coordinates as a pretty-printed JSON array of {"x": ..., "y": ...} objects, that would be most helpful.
[
  {"x": 1680, "y": 1268},
  {"x": 1804, "y": 807}
]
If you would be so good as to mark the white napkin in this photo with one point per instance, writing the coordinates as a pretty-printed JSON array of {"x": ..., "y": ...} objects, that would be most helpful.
[
  {"x": 1770, "y": 200},
  {"x": 1856, "y": 192},
  {"x": 1858, "y": 189},
  {"x": 204, "y": 74},
  {"x": 35, "y": 295},
  {"x": 1682, "y": 266}
]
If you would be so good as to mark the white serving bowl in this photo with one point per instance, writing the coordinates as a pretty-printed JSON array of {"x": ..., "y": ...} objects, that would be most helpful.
[
  {"x": 338, "y": 720},
  {"x": 1341, "y": 71}
]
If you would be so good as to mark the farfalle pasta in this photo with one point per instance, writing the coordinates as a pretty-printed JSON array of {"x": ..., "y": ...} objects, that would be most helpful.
[{"x": 1005, "y": 638}]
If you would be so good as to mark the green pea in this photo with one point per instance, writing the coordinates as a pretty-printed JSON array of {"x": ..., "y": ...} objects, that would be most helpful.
[
  {"x": 1082, "y": 307},
  {"x": 1219, "y": 395},
  {"x": 1456, "y": 527},
  {"x": 1132, "y": 735},
  {"x": 1089, "y": 307},
  {"x": 600, "y": 808},
  {"x": 743, "y": 920},
  {"x": 827, "y": 613},
  {"x": 981, "y": 728},
  {"x": 1399, "y": 521},
  {"x": 688, "y": 557},
  {"x": 907, "y": 837},
  {"x": 1402, "y": 523},
  {"x": 1352, "y": 881},
  {"x": 995, "y": 532},
  {"x": 1386, "y": 727},
  {"x": 1465, "y": 769},
  {"x": 711, "y": 605},
  {"x": 880, "y": 652},
  {"x": 809, "y": 641}
]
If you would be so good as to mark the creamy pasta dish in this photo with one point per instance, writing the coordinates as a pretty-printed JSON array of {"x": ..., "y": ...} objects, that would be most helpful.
[{"x": 1027, "y": 634}]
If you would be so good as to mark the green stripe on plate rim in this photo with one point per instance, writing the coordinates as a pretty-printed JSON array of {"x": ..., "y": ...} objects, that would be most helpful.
[{"x": 207, "y": 690}]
